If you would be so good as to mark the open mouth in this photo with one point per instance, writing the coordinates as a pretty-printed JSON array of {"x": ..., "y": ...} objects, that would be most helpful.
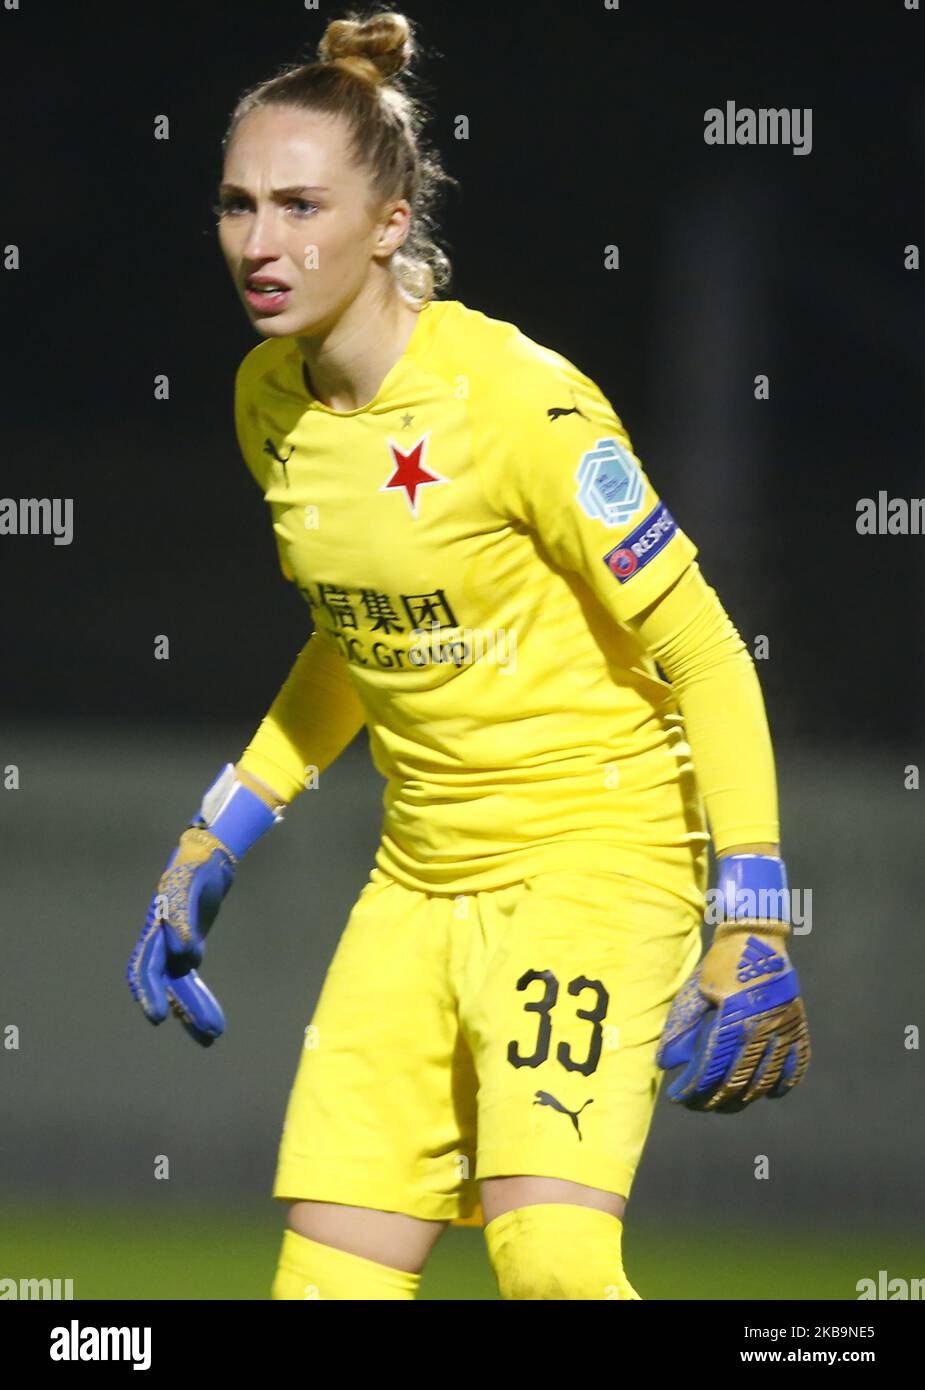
[{"x": 267, "y": 294}]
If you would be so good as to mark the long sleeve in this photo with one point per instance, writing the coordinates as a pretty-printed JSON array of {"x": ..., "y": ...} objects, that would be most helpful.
[
  {"x": 310, "y": 723},
  {"x": 692, "y": 638},
  {"x": 573, "y": 480}
]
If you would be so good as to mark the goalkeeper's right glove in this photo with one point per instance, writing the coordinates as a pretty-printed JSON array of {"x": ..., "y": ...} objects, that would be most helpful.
[{"x": 162, "y": 971}]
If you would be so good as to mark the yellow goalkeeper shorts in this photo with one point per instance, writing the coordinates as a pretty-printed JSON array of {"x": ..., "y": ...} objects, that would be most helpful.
[{"x": 458, "y": 1038}]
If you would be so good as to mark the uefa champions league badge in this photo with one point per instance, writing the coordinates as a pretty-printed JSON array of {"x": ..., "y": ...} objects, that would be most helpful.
[{"x": 610, "y": 483}]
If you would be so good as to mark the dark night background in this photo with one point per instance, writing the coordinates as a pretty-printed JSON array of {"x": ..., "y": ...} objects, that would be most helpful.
[{"x": 586, "y": 129}]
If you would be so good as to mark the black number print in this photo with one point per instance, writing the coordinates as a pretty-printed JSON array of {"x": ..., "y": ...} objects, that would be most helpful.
[
  {"x": 595, "y": 1016},
  {"x": 541, "y": 1007}
]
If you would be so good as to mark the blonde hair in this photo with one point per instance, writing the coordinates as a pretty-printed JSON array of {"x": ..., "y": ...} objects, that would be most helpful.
[{"x": 358, "y": 77}]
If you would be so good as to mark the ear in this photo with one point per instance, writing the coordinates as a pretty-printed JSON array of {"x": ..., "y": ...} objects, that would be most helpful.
[{"x": 394, "y": 226}]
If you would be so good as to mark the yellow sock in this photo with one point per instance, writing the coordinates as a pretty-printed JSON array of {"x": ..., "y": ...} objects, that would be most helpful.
[
  {"x": 554, "y": 1250},
  {"x": 308, "y": 1269}
]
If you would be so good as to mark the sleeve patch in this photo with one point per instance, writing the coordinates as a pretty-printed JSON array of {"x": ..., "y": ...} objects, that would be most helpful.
[
  {"x": 640, "y": 546},
  {"x": 610, "y": 483}
]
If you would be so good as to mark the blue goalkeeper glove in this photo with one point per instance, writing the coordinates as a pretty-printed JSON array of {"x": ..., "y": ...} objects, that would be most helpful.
[
  {"x": 162, "y": 971},
  {"x": 737, "y": 1026}
]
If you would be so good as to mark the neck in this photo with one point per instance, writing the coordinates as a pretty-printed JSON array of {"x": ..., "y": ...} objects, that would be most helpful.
[{"x": 348, "y": 361}]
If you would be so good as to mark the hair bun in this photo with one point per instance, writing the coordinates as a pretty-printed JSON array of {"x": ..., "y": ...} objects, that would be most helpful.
[{"x": 374, "y": 49}]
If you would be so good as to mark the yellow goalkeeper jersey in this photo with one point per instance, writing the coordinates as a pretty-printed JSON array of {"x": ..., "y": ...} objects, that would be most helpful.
[{"x": 471, "y": 544}]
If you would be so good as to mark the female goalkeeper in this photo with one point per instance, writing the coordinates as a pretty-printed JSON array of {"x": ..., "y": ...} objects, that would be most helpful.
[{"x": 502, "y": 598}]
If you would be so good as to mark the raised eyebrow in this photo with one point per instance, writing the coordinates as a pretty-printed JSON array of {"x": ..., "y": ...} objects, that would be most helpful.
[{"x": 277, "y": 192}]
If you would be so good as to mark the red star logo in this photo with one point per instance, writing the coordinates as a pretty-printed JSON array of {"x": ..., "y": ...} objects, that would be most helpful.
[{"x": 410, "y": 473}]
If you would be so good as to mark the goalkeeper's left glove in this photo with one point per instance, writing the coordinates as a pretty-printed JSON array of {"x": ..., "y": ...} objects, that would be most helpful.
[{"x": 737, "y": 1025}]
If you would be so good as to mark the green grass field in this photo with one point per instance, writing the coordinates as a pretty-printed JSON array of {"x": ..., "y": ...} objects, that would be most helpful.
[{"x": 144, "y": 1252}]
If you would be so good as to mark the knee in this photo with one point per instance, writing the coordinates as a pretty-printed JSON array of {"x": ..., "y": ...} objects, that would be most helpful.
[{"x": 558, "y": 1251}]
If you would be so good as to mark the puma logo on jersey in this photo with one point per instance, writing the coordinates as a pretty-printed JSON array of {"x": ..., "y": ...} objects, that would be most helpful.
[
  {"x": 758, "y": 959},
  {"x": 270, "y": 448},
  {"x": 409, "y": 472},
  {"x": 544, "y": 1098}
]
